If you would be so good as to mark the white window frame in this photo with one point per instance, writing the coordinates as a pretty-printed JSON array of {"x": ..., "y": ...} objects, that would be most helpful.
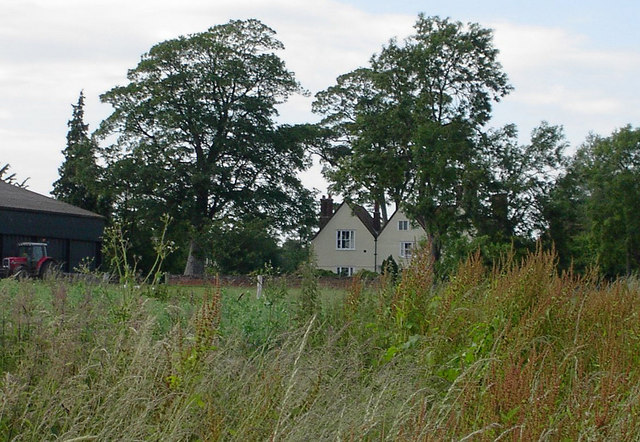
[
  {"x": 348, "y": 272},
  {"x": 404, "y": 249},
  {"x": 341, "y": 240},
  {"x": 403, "y": 224}
]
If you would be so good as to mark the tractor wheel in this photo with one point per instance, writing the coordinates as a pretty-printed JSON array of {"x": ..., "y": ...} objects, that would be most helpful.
[
  {"x": 48, "y": 270},
  {"x": 21, "y": 273}
]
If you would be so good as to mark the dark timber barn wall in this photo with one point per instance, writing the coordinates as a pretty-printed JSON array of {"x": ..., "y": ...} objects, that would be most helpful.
[{"x": 73, "y": 234}]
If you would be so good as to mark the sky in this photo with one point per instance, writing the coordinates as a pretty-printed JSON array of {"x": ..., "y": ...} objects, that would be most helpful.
[{"x": 571, "y": 63}]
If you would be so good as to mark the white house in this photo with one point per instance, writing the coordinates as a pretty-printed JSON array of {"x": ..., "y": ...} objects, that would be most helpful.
[
  {"x": 398, "y": 237},
  {"x": 350, "y": 239}
]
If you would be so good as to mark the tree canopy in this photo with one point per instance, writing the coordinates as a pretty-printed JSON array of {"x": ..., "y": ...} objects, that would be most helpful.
[
  {"x": 410, "y": 130},
  {"x": 596, "y": 210},
  {"x": 404, "y": 129},
  {"x": 80, "y": 175},
  {"x": 197, "y": 133}
]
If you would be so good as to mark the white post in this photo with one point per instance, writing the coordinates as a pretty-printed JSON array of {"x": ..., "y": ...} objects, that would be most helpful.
[{"x": 259, "y": 288}]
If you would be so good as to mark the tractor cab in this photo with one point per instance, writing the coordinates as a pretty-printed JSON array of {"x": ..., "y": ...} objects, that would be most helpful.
[
  {"x": 34, "y": 252},
  {"x": 32, "y": 261}
]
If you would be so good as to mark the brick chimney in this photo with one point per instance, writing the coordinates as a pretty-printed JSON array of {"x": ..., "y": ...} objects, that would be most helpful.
[{"x": 326, "y": 210}]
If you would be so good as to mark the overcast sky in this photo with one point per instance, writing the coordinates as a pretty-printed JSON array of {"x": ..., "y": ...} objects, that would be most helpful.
[{"x": 574, "y": 63}]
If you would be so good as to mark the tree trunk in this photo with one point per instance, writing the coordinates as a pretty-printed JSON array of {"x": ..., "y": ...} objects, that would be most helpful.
[
  {"x": 383, "y": 209},
  {"x": 195, "y": 261},
  {"x": 436, "y": 246}
]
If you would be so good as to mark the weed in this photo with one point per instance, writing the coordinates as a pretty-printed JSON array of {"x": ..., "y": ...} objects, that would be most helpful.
[{"x": 117, "y": 246}]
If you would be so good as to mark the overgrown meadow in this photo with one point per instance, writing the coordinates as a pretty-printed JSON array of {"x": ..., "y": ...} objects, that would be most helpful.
[{"x": 515, "y": 352}]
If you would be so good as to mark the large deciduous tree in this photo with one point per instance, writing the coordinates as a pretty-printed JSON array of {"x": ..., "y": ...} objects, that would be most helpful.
[
  {"x": 80, "y": 175},
  {"x": 368, "y": 156},
  {"x": 567, "y": 216},
  {"x": 514, "y": 196},
  {"x": 196, "y": 125},
  {"x": 597, "y": 205},
  {"x": 405, "y": 129}
]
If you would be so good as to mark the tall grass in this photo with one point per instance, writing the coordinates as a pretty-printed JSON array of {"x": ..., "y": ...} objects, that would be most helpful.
[{"x": 515, "y": 352}]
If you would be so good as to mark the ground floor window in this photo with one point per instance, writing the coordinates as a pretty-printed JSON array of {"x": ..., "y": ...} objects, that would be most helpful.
[
  {"x": 344, "y": 271},
  {"x": 405, "y": 249}
]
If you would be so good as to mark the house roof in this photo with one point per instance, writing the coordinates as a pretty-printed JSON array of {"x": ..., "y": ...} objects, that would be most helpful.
[
  {"x": 361, "y": 213},
  {"x": 15, "y": 198},
  {"x": 365, "y": 218}
]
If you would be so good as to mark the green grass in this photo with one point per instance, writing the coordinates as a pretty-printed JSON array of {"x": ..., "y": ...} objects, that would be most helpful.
[{"x": 517, "y": 352}]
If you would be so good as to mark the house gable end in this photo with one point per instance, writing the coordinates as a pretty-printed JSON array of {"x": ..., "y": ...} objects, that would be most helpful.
[
  {"x": 345, "y": 242},
  {"x": 397, "y": 243},
  {"x": 358, "y": 212},
  {"x": 392, "y": 224}
]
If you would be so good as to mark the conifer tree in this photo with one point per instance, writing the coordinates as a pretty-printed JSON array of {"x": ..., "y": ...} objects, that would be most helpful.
[
  {"x": 79, "y": 179},
  {"x": 10, "y": 178}
]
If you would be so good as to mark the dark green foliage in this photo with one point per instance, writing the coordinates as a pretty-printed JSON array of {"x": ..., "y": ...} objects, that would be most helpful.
[
  {"x": 410, "y": 130},
  {"x": 491, "y": 251},
  {"x": 594, "y": 209},
  {"x": 80, "y": 182},
  {"x": 404, "y": 129},
  {"x": 569, "y": 223},
  {"x": 293, "y": 253},
  {"x": 519, "y": 179},
  {"x": 196, "y": 124},
  {"x": 614, "y": 204},
  {"x": 390, "y": 267},
  {"x": 244, "y": 248}
]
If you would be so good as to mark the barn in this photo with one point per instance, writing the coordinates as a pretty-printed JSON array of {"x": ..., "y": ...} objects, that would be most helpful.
[{"x": 73, "y": 234}]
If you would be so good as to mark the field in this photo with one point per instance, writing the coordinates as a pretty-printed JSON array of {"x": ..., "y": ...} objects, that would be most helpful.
[{"x": 517, "y": 352}]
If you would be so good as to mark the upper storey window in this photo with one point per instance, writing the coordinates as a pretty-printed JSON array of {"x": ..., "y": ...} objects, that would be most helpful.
[{"x": 345, "y": 239}]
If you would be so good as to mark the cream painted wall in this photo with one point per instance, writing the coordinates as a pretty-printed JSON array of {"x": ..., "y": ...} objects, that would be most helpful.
[
  {"x": 391, "y": 237},
  {"x": 324, "y": 244}
]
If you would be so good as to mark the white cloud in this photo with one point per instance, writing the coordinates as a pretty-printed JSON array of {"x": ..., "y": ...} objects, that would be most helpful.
[
  {"x": 561, "y": 76},
  {"x": 578, "y": 101}
]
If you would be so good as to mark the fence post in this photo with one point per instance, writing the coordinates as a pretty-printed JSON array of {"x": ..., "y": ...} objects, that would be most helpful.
[{"x": 259, "y": 288}]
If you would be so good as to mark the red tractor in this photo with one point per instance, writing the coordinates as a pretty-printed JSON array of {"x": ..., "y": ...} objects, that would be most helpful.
[{"x": 32, "y": 262}]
